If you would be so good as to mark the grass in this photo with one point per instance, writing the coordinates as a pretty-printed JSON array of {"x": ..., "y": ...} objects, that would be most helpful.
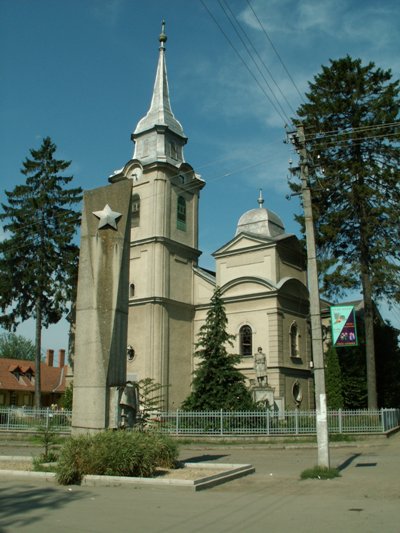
[{"x": 320, "y": 472}]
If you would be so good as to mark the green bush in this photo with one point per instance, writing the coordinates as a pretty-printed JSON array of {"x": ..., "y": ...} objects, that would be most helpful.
[{"x": 115, "y": 453}]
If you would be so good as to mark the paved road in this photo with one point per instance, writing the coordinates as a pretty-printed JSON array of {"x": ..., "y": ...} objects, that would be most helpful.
[{"x": 366, "y": 498}]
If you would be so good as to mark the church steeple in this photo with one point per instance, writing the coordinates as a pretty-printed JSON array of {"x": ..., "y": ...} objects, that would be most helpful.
[{"x": 159, "y": 135}]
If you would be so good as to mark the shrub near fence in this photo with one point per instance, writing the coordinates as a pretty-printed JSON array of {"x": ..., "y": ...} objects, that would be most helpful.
[{"x": 222, "y": 423}]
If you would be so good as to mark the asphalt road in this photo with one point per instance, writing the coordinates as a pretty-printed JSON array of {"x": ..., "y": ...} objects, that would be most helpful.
[{"x": 366, "y": 498}]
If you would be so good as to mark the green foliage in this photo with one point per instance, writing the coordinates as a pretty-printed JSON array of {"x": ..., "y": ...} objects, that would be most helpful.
[
  {"x": 351, "y": 132},
  {"x": 15, "y": 346},
  {"x": 151, "y": 399},
  {"x": 115, "y": 453},
  {"x": 38, "y": 261},
  {"x": 217, "y": 384},
  {"x": 333, "y": 380},
  {"x": 352, "y": 139},
  {"x": 47, "y": 438},
  {"x": 67, "y": 397},
  {"x": 320, "y": 472},
  {"x": 354, "y": 372}
]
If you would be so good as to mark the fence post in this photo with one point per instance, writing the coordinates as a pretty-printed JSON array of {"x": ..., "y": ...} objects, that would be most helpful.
[
  {"x": 383, "y": 419},
  {"x": 221, "y": 422},
  {"x": 268, "y": 421},
  {"x": 47, "y": 418},
  {"x": 340, "y": 420},
  {"x": 296, "y": 418},
  {"x": 177, "y": 422}
]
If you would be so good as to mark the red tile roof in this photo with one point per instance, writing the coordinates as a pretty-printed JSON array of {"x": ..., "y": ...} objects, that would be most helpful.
[{"x": 15, "y": 376}]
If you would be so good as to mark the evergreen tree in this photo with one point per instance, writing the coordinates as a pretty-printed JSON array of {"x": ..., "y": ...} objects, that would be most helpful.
[
  {"x": 15, "y": 346},
  {"x": 217, "y": 384},
  {"x": 352, "y": 133},
  {"x": 333, "y": 380},
  {"x": 38, "y": 260}
]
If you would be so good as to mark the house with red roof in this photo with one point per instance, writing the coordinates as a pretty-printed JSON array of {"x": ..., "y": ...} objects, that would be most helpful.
[{"x": 17, "y": 381}]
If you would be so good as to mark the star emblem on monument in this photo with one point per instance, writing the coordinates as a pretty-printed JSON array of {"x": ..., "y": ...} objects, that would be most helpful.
[{"x": 107, "y": 217}]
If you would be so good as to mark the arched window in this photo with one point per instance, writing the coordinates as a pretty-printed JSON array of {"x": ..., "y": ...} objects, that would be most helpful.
[
  {"x": 246, "y": 341},
  {"x": 294, "y": 352},
  {"x": 181, "y": 214},
  {"x": 131, "y": 290},
  {"x": 135, "y": 220}
]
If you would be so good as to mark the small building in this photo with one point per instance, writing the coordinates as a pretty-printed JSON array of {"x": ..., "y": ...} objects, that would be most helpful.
[{"x": 17, "y": 381}]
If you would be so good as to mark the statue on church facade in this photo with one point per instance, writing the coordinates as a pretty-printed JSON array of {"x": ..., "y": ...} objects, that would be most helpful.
[{"x": 260, "y": 366}]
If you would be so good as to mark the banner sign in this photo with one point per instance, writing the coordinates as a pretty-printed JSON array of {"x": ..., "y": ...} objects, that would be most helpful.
[{"x": 343, "y": 323}]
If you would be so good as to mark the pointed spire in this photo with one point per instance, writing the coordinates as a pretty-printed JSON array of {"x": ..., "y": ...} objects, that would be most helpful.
[
  {"x": 160, "y": 112},
  {"x": 260, "y": 199}
]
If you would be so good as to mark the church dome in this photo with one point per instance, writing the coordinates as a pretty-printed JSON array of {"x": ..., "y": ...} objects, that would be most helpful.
[{"x": 261, "y": 222}]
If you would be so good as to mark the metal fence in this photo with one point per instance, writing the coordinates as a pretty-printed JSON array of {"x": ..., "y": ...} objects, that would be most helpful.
[
  {"x": 28, "y": 418},
  {"x": 222, "y": 423},
  {"x": 228, "y": 423}
]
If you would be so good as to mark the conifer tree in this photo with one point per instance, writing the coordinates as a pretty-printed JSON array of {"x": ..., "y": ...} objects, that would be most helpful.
[
  {"x": 217, "y": 384},
  {"x": 38, "y": 260},
  {"x": 333, "y": 380},
  {"x": 352, "y": 136}
]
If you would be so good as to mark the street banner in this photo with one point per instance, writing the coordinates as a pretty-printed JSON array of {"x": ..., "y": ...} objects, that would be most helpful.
[{"x": 343, "y": 323}]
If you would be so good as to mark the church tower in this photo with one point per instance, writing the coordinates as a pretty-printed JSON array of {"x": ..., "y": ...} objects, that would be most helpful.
[{"x": 164, "y": 246}]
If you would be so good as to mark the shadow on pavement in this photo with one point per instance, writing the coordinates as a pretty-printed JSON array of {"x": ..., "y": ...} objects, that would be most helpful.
[
  {"x": 203, "y": 458},
  {"x": 18, "y": 501},
  {"x": 348, "y": 461}
]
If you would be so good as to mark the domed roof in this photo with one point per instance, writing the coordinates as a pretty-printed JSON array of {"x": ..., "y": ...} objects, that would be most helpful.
[{"x": 261, "y": 222}]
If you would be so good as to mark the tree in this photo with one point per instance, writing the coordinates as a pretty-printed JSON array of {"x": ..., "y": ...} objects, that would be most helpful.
[
  {"x": 38, "y": 260},
  {"x": 352, "y": 134},
  {"x": 333, "y": 380},
  {"x": 217, "y": 384},
  {"x": 14, "y": 346}
]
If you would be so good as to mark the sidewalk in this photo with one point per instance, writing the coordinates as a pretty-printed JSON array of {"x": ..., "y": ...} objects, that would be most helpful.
[{"x": 365, "y": 499}]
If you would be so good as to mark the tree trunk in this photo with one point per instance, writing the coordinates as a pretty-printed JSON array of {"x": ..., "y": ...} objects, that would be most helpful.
[
  {"x": 369, "y": 341},
  {"x": 38, "y": 346}
]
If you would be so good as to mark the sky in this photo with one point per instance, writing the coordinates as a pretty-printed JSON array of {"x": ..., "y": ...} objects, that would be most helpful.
[{"x": 82, "y": 72}]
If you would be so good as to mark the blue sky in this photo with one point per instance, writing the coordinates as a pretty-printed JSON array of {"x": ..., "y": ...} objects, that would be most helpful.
[{"x": 82, "y": 72}]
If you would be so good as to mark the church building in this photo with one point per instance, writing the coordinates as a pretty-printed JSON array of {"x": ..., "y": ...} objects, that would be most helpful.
[{"x": 261, "y": 272}]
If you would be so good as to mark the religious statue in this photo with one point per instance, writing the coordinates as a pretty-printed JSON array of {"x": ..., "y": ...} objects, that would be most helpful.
[
  {"x": 129, "y": 403},
  {"x": 260, "y": 366}
]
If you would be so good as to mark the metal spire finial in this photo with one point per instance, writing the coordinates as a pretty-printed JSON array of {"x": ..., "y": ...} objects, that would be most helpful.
[
  {"x": 163, "y": 36},
  {"x": 260, "y": 199}
]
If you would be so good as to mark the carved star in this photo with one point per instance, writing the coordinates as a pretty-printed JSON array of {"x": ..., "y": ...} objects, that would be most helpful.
[{"x": 107, "y": 217}]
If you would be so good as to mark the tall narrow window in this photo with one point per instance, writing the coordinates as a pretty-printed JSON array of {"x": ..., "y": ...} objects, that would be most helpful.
[
  {"x": 181, "y": 214},
  {"x": 294, "y": 340},
  {"x": 135, "y": 220},
  {"x": 246, "y": 341}
]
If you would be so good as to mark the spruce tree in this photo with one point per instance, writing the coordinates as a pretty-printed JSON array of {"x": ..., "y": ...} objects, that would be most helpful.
[
  {"x": 38, "y": 259},
  {"x": 352, "y": 136},
  {"x": 217, "y": 383}
]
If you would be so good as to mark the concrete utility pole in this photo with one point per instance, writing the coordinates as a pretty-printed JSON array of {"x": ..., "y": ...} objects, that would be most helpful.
[{"x": 298, "y": 140}]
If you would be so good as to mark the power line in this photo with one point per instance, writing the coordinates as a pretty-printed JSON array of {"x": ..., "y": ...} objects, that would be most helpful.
[
  {"x": 275, "y": 50},
  {"x": 258, "y": 56},
  {"x": 284, "y": 121}
]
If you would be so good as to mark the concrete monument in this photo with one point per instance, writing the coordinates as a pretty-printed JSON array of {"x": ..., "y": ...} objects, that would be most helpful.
[{"x": 102, "y": 308}]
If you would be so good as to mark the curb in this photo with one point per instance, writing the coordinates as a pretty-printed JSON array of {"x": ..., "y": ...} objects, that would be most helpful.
[{"x": 232, "y": 471}]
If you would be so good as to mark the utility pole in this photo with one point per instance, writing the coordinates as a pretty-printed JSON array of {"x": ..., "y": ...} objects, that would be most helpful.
[{"x": 298, "y": 139}]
